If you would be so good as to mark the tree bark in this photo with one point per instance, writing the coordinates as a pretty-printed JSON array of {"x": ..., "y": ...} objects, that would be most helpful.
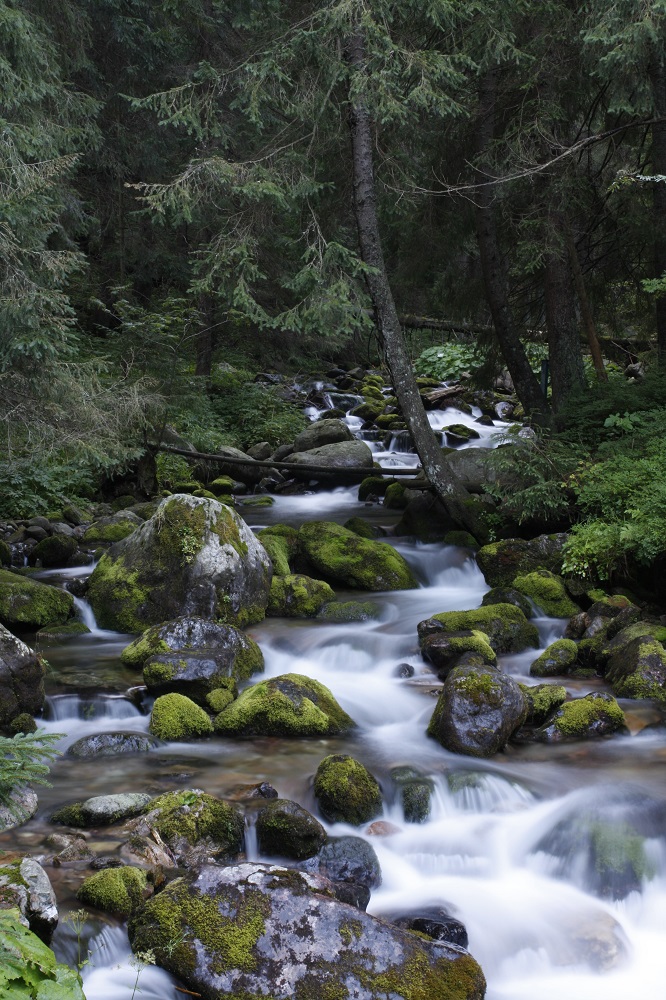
[
  {"x": 447, "y": 486},
  {"x": 564, "y": 348},
  {"x": 493, "y": 266},
  {"x": 585, "y": 308},
  {"x": 658, "y": 83}
]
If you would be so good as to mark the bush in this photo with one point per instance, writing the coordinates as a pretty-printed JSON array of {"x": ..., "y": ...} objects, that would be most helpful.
[{"x": 448, "y": 361}]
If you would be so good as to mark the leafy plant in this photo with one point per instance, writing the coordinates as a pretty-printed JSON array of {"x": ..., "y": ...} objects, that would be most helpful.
[
  {"x": 29, "y": 969},
  {"x": 448, "y": 361}
]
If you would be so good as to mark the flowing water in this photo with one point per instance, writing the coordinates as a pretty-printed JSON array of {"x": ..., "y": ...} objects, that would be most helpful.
[{"x": 500, "y": 849}]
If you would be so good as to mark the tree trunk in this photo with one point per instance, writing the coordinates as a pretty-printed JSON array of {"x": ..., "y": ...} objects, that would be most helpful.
[
  {"x": 204, "y": 337},
  {"x": 585, "y": 308},
  {"x": 447, "y": 486},
  {"x": 564, "y": 348},
  {"x": 493, "y": 267},
  {"x": 658, "y": 83}
]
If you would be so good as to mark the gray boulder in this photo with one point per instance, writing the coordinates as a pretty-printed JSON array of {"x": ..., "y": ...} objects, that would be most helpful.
[
  {"x": 195, "y": 556},
  {"x": 477, "y": 712},
  {"x": 322, "y": 433},
  {"x": 19, "y": 806},
  {"x": 21, "y": 678},
  {"x": 111, "y": 745},
  {"x": 27, "y": 604},
  {"x": 102, "y": 810},
  {"x": 282, "y": 934},
  {"x": 345, "y": 456},
  {"x": 25, "y": 885}
]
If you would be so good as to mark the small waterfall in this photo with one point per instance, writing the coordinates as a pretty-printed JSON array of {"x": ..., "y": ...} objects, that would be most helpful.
[
  {"x": 251, "y": 842},
  {"x": 66, "y": 707},
  {"x": 113, "y": 973}
]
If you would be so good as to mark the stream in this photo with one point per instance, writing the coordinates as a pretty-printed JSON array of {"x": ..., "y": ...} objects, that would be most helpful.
[{"x": 490, "y": 850}]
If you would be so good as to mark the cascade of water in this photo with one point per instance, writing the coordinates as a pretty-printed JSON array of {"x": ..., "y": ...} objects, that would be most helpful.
[{"x": 113, "y": 973}]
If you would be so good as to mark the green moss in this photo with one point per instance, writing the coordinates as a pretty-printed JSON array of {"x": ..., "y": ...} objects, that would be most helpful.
[
  {"x": 548, "y": 593},
  {"x": 156, "y": 674},
  {"x": 117, "y": 596},
  {"x": 223, "y": 485},
  {"x": 226, "y": 530},
  {"x": 23, "y": 723},
  {"x": 63, "y": 631},
  {"x": 479, "y": 688},
  {"x": 471, "y": 641},
  {"x": 360, "y": 527},
  {"x": 181, "y": 529},
  {"x": 194, "y": 816},
  {"x": 343, "y": 556},
  {"x": 416, "y": 979},
  {"x": 394, "y": 497},
  {"x": 114, "y": 890},
  {"x": 175, "y": 717},
  {"x": 542, "y": 700},
  {"x": 349, "y": 611},
  {"x": 278, "y": 551},
  {"x": 646, "y": 680},
  {"x": 346, "y": 791},
  {"x": 372, "y": 486},
  {"x": 148, "y": 644},
  {"x": 205, "y": 493},
  {"x": 297, "y": 596},
  {"x": 575, "y": 718},
  {"x": 461, "y": 539},
  {"x": 70, "y": 816},
  {"x": 219, "y": 699},
  {"x": 109, "y": 532},
  {"x": 5, "y": 554},
  {"x": 30, "y": 604},
  {"x": 290, "y": 705},
  {"x": 507, "y": 628},
  {"x": 53, "y": 551},
  {"x": 618, "y": 845},
  {"x": 557, "y": 659}
]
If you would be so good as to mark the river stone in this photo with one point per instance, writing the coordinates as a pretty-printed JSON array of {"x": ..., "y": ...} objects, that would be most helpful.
[
  {"x": 197, "y": 673},
  {"x": 434, "y": 921},
  {"x": 500, "y": 562},
  {"x": 415, "y": 791},
  {"x": 175, "y": 717},
  {"x": 111, "y": 745},
  {"x": 477, "y": 712},
  {"x": 147, "y": 853},
  {"x": 346, "y": 792},
  {"x": 116, "y": 890},
  {"x": 25, "y": 885},
  {"x": 195, "y": 556},
  {"x": 508, "y": 595},
  {"x": 505, "y": 626},
  {"x": 194, "y": 826},
  {"x": 235, "y": 653},
  {"x": 346, "y": 458},
  {"x": 444, "y": 649},
  {"x": 585, "y": 718},
  {"x": 343, "y": 556},
  {"x": 17, "y": 808},
  {"x": 556, "y": 660},
  {"x": 289, "y": 705},
  {"x": 282, "y": 934},
  {"x": 102, "y": 810},
  {"x": 286, "y": 830},
  {"x": 21, "y": 678},
  {"x": 543, "y": 700},
  {"x": 638, "y": 670},
  {"x": 348, "y": 861},
  {"x": 298, "y": 596},
  {"x": 53, "y": 551},
  {"x": 548, "y": 592},
  {"x": 322, "y": 433},
  {"x": 113, "y": 528},
  {"x": 27, "y": 604}
]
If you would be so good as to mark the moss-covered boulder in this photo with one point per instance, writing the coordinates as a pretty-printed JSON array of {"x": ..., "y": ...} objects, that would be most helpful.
[
  {"x": 289, "y": 705},
  {"x": 246, "y": 931},
  {"x": 477, "y": 712},
  {"x": 345, "y": 460},
  {"x": 26, "y": 604},
  {"x": 508, "y": 595},
  {"x": 195, "y": 556},
  {"x": 55, "y": 550},
  {"x": 543, "y": 700},
  {"x": 506, "y": 627},
  {"x": 113, "y": 528},
  {"x": 175, "y": 717},
  {"x": 278, "y": 549},
  {"x": 320, "y": 433},
  {"x": 548, "y": 593},
  {"x": 457, "y": 434},
  {"x": 286, "y": 830},
  {"x": 30, "y": 969},
  {"x": 638, "y": 669},
  {"x": 119, "y": 891},
  {"x": 346, "y": 792},
  {"x": 21, "y": 678},
  {"x": 583, "y": 719},
  {"x": 372, "y": 486},
  {"x": 556, "y": 660},
  {"x": 500, "y": 562},
  {"x": 425, "y": 518},
  {"x": 361, "y": 527},
  {"x": 5, "y": 554},
  {"x": 342, "y": 556},
  {"x": 444, "y": 649},
  {"x": 193, "y": 825},
  {"x": 298, "y": 596},
  {"x": 61, "y": 633},
  {"x": 349, "y": 611}
]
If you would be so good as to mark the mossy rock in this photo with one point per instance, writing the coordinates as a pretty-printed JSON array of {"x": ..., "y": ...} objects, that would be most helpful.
[
  {"x": 277, "y": 547},
  {"x": 175, "y": 717},
  {"x": 27, "y": 604},
  {"x": 342, "y": 556},
  {"x": 372, "y": 486},
  {"x": 349, "y": 611},
  {"x": 508, "y": 595},
  {"x": 53, "y": 551},
  {"x": 415, "y": 793},
  {"x": 346, "y": 792},
  {"x": 462, "y": 540},
  {"x": 457, "y": 434},
  {"x": 558, "y": 659},
  {"x": 189, "y": 818},
  {"x": 361, "y": 527},
  {"x": 638, "y": 669},
  {"x": 548, "y": 592},
  {"x": 63, "y": 632},
  {"x": 102, "y": 810},
  {"x": 286, "y": 830},
  {"x": 585, "y": 718},
  {"x": 222, "y": 486},
  {"x": 507, "y": 628},
  {"x": 425, "y": 518},
  {"x": 298, "y": 596},
  {"x": 444, "y": 649},
  {"x": 369, "y": 410},
  {"x": 5, "y": 554},
  {"x": 289, "y": 705},
  {"x": 220, "y": 698},
  {"x": 119, "y": 891},
  {"x": 500, "y": 562},
  {"x": 542, "y": 700},
  {"x": 395, "y": 498},
  {"x": 193, "y": 557},
  {"x": 246, "y": 932},
  {"x": 113, "y": 528},
  {"x": 29, "y": 967}
]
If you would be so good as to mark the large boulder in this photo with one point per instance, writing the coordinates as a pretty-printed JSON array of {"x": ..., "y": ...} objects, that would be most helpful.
[
  {"x": 21, "y": 678},
  {"x": 344, "y": 557},
  {"x": 500, "y": 562},
  {"x": 321, "y": 433},
  {"x": 477, "y": 712},
  {"x": 28, "y": 605},
  {"x": 235, "y": 654},
  {"x": 116, "y": 890},
  {"x": 505, "y": 626},
  {"x": 289, "y": 705},
  {"x": 637, "y": 669},
  {"x": 298, "y": 596},
  {"x": 346, "y": 791},
  {"x": 349, "y": 457},
  {"x": 256, "y": 930},
  {"x": 195, "y": 556}
]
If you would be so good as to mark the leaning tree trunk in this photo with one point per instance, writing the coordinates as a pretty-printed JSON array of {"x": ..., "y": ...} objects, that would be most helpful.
[
  {"x": 658, "y": 83},
  {"x": 564, "y": 347},
  {"x": 493, "y": 267},
  {"x": 447, "y": 486}
]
